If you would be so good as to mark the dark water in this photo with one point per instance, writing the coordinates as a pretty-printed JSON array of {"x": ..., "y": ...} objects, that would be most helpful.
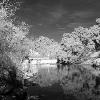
[{"x": 54, "y": 92}]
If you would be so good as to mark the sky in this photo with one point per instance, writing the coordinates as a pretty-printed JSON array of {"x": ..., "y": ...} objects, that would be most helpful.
[{"x": 52, "y": 18}]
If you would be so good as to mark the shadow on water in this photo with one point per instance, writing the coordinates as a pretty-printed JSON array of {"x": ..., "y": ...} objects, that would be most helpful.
[{"x": 54, "y": 92}]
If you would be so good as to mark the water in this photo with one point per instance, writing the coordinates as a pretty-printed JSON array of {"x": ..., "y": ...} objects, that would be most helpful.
[
  {"x": 49, "y": 87},
  {"x": 54, "y": 92},
  {"x": 59, "y": 83}
]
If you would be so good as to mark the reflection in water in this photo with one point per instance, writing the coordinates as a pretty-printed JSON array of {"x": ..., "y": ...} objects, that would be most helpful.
[
  {"x": 49, "y": 87},
  {"x": 64, "y": 83},
  {"x": 54, "y": 92}
]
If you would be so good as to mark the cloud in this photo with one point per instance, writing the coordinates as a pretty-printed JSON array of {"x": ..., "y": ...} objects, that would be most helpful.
[
  {"x": 82, "y": 14},
  {"x": 57, "y": 16},
  {"x": 58, "y": 12},
  {"x": 77, "y": 24}
]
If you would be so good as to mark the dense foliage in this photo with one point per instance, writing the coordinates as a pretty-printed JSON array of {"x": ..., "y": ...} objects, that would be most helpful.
[
  {"x": 75, "y": 47},
  {"x": 11, "y": 87}
]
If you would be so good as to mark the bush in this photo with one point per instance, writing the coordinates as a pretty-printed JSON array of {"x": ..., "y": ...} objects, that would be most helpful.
[{"x": 10, "y": 87}]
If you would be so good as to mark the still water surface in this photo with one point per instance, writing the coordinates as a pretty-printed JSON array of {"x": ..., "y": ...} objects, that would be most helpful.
[
  {"x": 49, "y": 88},
  {"x": 49, "y": 81}
]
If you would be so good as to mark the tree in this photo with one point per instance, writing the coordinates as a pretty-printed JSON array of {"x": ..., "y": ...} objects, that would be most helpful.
[
  {"x": 52, "y": 49},
  {"x": 89, "y": 36},
  {"x": 81, "y": 42},
  {"x": 70, "y": 40},
  {"x": 10, "y": 80},
  {"x": 98, "y": 20},
  {"x": 72, "y": 46},
  {"x": 13, "y": 37},
  {"x": 46, "y": 46}
]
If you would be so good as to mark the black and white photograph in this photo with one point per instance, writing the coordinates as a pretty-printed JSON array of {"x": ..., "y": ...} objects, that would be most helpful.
[{"x": 49, "y": 49}]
